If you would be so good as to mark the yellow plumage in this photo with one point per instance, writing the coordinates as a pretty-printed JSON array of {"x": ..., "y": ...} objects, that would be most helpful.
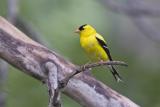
[
  {"x": 95, "y": 46},
  {"x": 92, "y": 48}
]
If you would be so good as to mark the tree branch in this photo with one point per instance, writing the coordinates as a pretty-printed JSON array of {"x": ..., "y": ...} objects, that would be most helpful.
[
  {"x": 52, "y": 83},
  {"x": 11, "y": 16},
  {"x": 137, "y": 10},
  {"x": 3, "y": 76},
  {"x": 141, "y": 8},
  {"x": 30, "y": 57},
  {"x": 88, "y": 67},
  {"x": 13, "y": 10},
  {"x": 2, "y": 99},
  {"x": 145, "y": 25},
  {"x": 96, "y": 64},
  {"x": 29, "y": 30}
]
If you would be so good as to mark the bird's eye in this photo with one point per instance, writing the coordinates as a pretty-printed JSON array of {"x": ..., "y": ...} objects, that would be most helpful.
[{"x": 82, "y": 27}]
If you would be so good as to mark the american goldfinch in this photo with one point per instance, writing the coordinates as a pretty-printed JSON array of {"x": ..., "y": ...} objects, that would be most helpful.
[{"x": 95, "y": 46}]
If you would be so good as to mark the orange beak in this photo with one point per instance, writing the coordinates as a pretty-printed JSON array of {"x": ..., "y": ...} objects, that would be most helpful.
[{"x": 77, "y": 31}]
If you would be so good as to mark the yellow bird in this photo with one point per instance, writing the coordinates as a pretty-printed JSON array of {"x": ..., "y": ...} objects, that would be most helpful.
[{"x": 95, "y": 46}]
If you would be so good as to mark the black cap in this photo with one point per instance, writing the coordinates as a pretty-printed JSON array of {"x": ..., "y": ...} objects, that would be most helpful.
[{"x": 81, "y": 27}]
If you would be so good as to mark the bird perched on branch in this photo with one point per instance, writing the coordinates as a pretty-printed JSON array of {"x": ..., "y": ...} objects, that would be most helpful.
[{"x": 95, "y": 46}]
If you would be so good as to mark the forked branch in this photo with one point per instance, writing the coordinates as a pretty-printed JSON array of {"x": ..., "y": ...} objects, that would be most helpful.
[
  {"x": 52, "y": 83},
  {"x": 31, "y": 58},
  {"x": 87, "y": 67}
]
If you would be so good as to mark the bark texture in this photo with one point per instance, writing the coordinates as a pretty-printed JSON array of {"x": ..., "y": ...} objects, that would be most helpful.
[{"x": 31, "y": 57}]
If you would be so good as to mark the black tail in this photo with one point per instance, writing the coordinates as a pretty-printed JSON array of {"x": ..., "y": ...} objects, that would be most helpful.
[{"x": 115, "y": 74}]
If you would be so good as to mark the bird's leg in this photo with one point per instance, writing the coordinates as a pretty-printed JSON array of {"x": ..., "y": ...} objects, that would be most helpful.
[
  {"x": 84, "y": 66},
  {"x": 86, "y": 70},
  {"x": 101, "y": 60}
]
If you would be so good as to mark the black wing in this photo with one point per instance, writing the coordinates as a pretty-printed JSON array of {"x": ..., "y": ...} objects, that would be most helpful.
[
  {"x": 113, "y": 70},
  {"x": 104, "y": 46}
]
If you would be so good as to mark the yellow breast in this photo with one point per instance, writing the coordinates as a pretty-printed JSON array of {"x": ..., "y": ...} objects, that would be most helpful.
[{"x": 93, "y": 49}]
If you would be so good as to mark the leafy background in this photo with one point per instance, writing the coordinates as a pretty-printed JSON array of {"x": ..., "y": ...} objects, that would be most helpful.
[{"x": 56, "y": 20}]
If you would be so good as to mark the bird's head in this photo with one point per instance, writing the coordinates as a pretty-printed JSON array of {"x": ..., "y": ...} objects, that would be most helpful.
[{"x": 85, "y": 30}]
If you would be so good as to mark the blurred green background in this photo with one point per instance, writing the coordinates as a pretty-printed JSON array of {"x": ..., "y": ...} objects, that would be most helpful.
[{"x": 57, "y": 20}]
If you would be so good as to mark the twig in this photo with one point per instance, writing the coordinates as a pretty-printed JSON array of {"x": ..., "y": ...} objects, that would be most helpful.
[
  {"x": 52, "y": 83},
  {"x": 92, "y": 65},
  {"x": 88, "y": 67}
]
